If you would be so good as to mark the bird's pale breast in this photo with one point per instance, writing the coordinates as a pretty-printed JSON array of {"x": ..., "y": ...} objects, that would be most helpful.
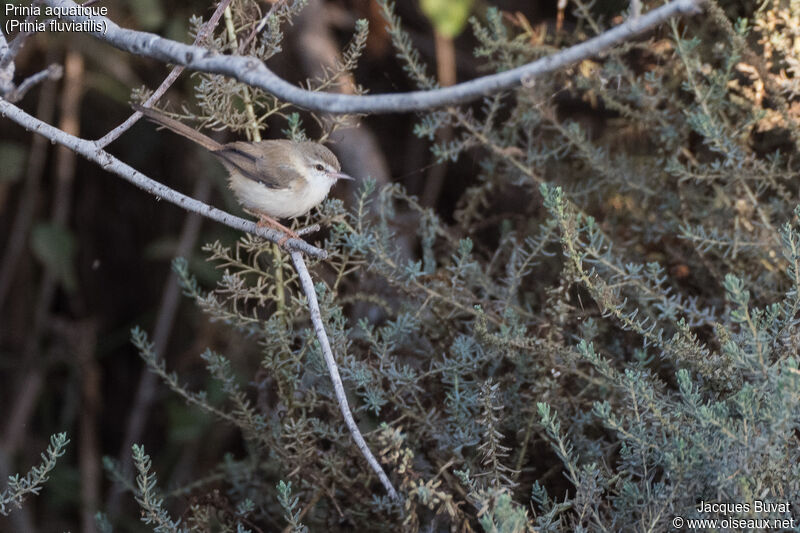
[{"x": 280, "y": 203}]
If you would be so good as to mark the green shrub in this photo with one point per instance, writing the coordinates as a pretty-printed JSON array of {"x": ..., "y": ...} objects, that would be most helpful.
[{"x": 602, "y": 335}]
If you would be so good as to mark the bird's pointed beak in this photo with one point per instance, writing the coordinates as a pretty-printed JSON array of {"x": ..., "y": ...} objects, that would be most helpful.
[{"x": 342, "y": 176}]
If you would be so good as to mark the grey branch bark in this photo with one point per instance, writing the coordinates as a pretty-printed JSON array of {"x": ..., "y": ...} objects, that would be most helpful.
[
  {"x": 333, "y": 370},
  {"x": 92, "y": 152},
  {"x": 254, "y": 72},
  {"x": 53, "y": 72}
]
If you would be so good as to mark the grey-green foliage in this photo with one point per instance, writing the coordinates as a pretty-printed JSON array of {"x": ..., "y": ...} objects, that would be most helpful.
[
  {"x": 149, "y": 498},
  {"x": 290, "y": 507},
  {"x": 599, "y": 357},
  {"x": 20, "y": 487}
]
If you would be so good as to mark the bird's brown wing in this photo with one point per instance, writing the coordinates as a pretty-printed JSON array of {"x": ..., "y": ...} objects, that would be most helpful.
[{"x": 265, "y": 162}]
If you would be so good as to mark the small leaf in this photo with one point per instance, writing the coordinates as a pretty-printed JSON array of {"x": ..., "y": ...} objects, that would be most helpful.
[
  {"x": 449, "y": 17},
  {"x": 55, "y": 247}
]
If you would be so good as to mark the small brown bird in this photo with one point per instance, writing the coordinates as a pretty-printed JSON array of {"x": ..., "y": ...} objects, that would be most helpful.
[{"x": 271, "y": 179}]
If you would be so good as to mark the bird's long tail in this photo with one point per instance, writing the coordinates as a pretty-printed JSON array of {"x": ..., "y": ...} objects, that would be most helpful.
[{"x": 179, "y": 128}]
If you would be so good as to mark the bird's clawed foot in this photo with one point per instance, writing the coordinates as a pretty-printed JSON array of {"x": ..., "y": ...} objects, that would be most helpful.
[{"x": 269, "y": 222}]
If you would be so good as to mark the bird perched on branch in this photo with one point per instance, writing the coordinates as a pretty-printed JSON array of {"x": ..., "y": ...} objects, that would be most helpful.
[{"x": 271, "y": 179}]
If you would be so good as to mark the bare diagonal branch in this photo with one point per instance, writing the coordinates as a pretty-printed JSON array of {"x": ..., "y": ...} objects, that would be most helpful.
[
  {"x": 333, "y": 370},
  {"x": 254, "y": 72},
  {"x": 92, "y": 152}
]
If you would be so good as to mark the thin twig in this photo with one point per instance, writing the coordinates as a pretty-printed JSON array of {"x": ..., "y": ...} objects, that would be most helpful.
[
  {"x": 333, "y": 370},
  {"x": 204, "y": 32},
  {"x": 258, "y": 27},
  {"x": 313, "y": 228},
  {"x": 93, "y": 153},
  {"x": 69, "y": 123},
  {"x": 254, "y": 72},
  {"x": 635, "y": 8},
  {"x": 53, "y": 72}
]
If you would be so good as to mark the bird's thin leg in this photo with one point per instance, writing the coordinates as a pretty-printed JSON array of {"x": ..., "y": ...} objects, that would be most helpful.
[{"x": 265, "y": 221}]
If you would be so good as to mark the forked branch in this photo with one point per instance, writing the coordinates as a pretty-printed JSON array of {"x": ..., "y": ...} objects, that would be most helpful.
[{"x": 91, "y": 151}]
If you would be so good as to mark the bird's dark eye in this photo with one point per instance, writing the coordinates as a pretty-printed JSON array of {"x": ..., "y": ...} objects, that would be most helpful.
[{"x": 319, "y": 167}]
